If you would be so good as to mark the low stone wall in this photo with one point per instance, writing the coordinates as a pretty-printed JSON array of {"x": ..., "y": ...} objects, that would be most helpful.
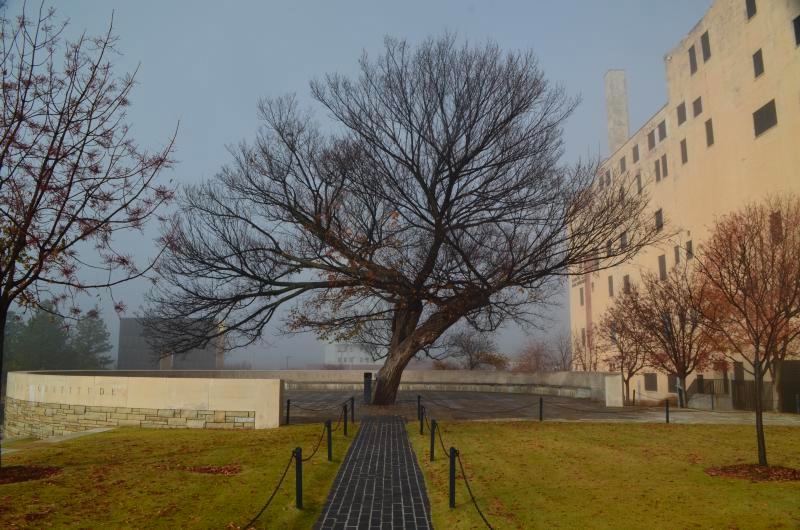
[{"x": 46, "y": 404}]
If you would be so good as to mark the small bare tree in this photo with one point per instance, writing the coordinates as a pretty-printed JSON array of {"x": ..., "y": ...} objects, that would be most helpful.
[
  {"x": 474, "y": 350},
  {"x": 752, "y": 266},
  {"x": 585, "y": 351},
  {"x": 562, "y": 353},
  {"x": 534, "y": 356}
]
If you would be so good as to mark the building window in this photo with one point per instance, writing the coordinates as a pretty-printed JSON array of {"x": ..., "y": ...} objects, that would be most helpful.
[
  {"x": 697, "y": 107},
  {"x": 797, "y": 30},
  {"x": 657, "y": 169},
  {"x": 662, "y": 131},
  {"x": 580, "y": 295},
  {"x": 692, "y": 60},
  {"x": 611, "y": 286},
  {"x": 659, "y": 220},
  {"x": 609, "y": 249},
  {"x": 651, "y": 140},
  {"x": 608, "y": 177},
  {"x": 651, "y": 382},
  {"x": 622, "y": 165},
  {"x": 776, "y": 227},
  {"x": 638, "y": 184},
  {"x": 672, "y": 383},
  {"x": 664, "y": 170},
  {"x": 689, "y": 250},
  {"x": 709, "y": 133},
  {"x": 758, "y": 63},
  {"x": 751, "y": 8},
  {"x": 765, "y": 118},
  {"x": 677, "y": 250},
  {"x": 626, "y": 284},
  {"x": 706, "y": 46},
  {"x": 681, "y": 113},
  {"x": 684, "y": 152},
  {"x": 635, "y": 153},
  {"x": 583, "y": 336},
  {"x": 623, "y": 240},
  {"x": 662, "y": 267}
]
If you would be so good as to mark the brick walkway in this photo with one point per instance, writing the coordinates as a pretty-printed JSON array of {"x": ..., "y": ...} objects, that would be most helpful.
[{"x": 380, "y": 484}]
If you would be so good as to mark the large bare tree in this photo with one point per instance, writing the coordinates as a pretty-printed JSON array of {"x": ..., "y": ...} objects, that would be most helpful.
[
  {"x": 71, "y": 176},
  {"x": 437, "y": 195},
  {"x": 752, "y": 265}
]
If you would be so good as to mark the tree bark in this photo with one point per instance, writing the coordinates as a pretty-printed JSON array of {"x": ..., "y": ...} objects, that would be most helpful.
[
  {"x": 3, "y": 316},
  {"x": 758, "y": 374},
  {"x": 387, "y": 381}
]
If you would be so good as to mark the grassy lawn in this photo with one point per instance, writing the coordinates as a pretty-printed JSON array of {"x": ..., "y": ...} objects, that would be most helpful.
[
  {"x": 586, "y": 475},
  {"x": 131, "y": 478}
]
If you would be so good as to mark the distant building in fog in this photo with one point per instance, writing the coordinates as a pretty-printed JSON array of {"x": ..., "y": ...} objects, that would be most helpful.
[
  {"x": 348, "y": 355},
  {"x": 135, "y": 353}
]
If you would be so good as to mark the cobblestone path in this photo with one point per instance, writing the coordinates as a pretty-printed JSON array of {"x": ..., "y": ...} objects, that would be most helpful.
[{"x": 379, "y": 484}]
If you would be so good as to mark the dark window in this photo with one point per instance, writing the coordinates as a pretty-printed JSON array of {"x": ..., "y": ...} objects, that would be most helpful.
[
  {"x": 659, "y": 220},
  {"x": 692, "y": 60},
  {"x": 657, "y": 169},
  {"x": 738, "y": 371},
  {"x": 662, "y": 267},
  {"x": 583, "y": 336},
  {"x": 681, "y": 113},
  {"x": 751, "y": 8},
  {"x": 580, "y": 294},
  {"x": 664, "y": 170},
  {"x": 638, "y": 184},
  {"x": 677, "y": 250},
  {"x": 662, "y": 131},
  {"x": 609, "y": 249},
  {"x": 697, "y": 107},
  {"x": 651, "y": 382},
  {"x": 706, "y": 46},
  {"x": 684, "y": 152},
  {"x": 626, "y": 284},
  {"x": 651, "y": 140},
  {"x": 672, "y": 383},
  {"x": 611, "y": 286},
  {"x": 776, "y": 227},
  {"x": 797, "y": 30},
  {"x": 709, "y": 133},
  {"x": 758, "y": 63},
  {"x": 608, "y": 178},
  {"x": 689, "y": 250},
  {"x": 623, "y": 240},
  {"x": 765, "y": 118},
  {"x": 622, "y": 165},
  {"x": 635, "y": 153}
]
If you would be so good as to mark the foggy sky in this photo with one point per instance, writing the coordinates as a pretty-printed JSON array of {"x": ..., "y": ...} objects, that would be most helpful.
[{"x": 206, "y": 64}]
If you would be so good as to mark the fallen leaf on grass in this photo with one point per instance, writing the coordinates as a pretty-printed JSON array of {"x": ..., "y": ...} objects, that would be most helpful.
[{"x": 756, "y": 473}]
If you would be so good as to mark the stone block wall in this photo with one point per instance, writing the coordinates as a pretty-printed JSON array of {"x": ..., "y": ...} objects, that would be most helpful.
[{"x": 41, "y": 420}]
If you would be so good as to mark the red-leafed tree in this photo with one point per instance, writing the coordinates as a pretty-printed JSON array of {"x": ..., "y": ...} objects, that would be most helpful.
[
  {"x": 752, "y": 266},
  {"x": 71, "y": 176}
]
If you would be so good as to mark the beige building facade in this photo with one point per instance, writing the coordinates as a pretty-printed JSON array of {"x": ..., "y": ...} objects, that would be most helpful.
[{"x": 729, "y": 134}]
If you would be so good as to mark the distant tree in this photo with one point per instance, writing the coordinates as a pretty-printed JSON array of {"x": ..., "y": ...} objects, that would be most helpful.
[
  {"x": 752, "y": 265},
  {"x": 624, "y": 339},
  {"x": 440, "y": 197},
  {"x": 71, "y": 177},
  {"x": 534, "y": 356},
  {"x": 42, "y": 343},
  {"x": 90, "y": 342},
  {"x": 473, "y": 350},
  {"x": 585, "y": 351},
  {"x": 562, "y": 352}
]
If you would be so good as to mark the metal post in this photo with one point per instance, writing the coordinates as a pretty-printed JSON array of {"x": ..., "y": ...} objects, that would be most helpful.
[
  {"x": 541, "y": 408},
  {"x": 634, "y": 397},
  {"x": 453, "y": 454},
  {"x": 422, "y": 420},
  {"x": 666, "y": 405},
  {"x": 298, "y": 478},
  {"x": 419, "y": 406},
  {"x": 352, "y": 410},
  {"x": 433, "y": 437},
  {"x": 344, "y": 405},
  {"x": 712, "y": 401},
  {"x": 330, "y": 441},
  {"x": 797, "y": 403},
  {"x": 367, "y": 388},
  {"x": 288, "y": 406}
]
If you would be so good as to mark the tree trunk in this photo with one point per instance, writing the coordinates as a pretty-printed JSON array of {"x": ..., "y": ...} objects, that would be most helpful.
[
  {"x": 682, "y": 396},
  {"x": 3, "y": 316},
  {"x": 627, "y": 385},
  {"x": 759, "y": 406},
  {"x": 387, "y": 381}
]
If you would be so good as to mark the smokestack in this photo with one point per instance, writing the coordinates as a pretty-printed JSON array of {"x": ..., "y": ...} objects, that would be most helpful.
[{"x": 616, "y": 109}]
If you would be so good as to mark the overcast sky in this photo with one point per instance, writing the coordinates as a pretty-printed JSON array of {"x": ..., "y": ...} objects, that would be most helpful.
[{"x": 206, "y": 64}]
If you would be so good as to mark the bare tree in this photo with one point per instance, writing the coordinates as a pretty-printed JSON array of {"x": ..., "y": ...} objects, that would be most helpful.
[
  {"x": 534, "y": 356},
  {"x": 585, "y": 351},
  {"x": 562, "y": 353},
  {"x": 473, "y": 349},
  {"x": 752, "y": 266},
  {"x": 620, "y": 334},
  {"x": 71, "y": 177},
  {"x": 440, "y": 198}
]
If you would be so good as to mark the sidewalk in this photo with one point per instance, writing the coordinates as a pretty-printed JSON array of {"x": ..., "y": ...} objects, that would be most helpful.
[{"x": 380, "y": 484}]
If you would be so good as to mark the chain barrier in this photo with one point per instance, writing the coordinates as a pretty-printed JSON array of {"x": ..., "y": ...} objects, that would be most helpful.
[
  {"x": 266, "y": 504},
  {"x": 338, "y": 421},
  {"x": 319, "y": 443},
  {"x": 515, "y": 409}
]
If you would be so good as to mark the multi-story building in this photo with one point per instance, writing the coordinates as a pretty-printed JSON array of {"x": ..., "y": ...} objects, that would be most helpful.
[
  {"x": 729, "y": 134},
  {"x": 136, "y": 353}
]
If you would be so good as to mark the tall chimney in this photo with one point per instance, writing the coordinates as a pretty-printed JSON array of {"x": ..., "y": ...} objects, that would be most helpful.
[{"x": 616, "y": 109}]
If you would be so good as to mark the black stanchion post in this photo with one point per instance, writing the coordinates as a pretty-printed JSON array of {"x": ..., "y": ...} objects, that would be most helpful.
[
  {"x": 330, "y": 439},
  {"x": 433, "y": 437},
  {"x": 634, "y": 397},
  {"x": 352, "y": 410},
  {"x": 797, "y": 403},
  {"x": 453, "y": 454},
  {"x": 367, "y": 388},
  {"x": 666, "y": 408},
  {"x": 422, "y": 420},
  {"x": 344, "y": 411},
  {"x": 298, "y": 478},
  {"x": 712, "y": 401},
  {"x": 288, "y": 406},
  {"x": 541, "y": 408},
  {"x": 419, "y": 406}
]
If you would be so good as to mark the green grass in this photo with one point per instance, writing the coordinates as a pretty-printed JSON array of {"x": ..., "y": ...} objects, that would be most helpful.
[
  {"x": 582, "y": 475},
  {"x": 131, "y": 478}
]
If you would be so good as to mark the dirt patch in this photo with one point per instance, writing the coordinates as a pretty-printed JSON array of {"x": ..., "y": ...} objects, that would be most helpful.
[
  {"x": 232, "y": 469},
  {"x": 756, "y": 473},
  {"x": 13, "y": 474}
]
